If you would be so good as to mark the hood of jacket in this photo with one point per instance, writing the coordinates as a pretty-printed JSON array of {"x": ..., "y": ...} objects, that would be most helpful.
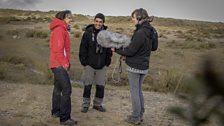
[
  {"x": 145, "y": 24},
  {"x": 57, "y": 23}
]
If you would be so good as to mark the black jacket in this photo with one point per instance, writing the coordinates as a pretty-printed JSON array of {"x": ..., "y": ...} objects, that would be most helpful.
[
  {"x": 138, "y": 52},
  {"x": 90, "y": 52}
]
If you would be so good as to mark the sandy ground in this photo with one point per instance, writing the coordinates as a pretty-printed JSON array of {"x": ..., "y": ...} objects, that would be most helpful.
[{"x": 30, "y": 105}]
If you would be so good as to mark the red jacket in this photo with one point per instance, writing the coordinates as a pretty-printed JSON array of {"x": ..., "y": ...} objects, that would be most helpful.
[{"x": 59, "y": 44}]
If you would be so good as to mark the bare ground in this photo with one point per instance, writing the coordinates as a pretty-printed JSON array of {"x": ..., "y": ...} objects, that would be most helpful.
[{"x": 28, "y": 104}]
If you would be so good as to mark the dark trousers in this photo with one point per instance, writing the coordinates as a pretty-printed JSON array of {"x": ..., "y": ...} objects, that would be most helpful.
[
  {"x": 61, "y": 99},
  {"x": 98, "y": 76}
]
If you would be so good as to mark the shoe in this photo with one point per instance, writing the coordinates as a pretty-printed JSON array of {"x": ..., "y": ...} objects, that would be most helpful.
[
  {"x": 84, "y": 109},
  {"x": 55, "y": 115},
  {"x": 69, "y": 122},
  {"x": 99, "y": 108},
  {"x": 130, "y": 119},
  {"x": 141, "y": 120}
]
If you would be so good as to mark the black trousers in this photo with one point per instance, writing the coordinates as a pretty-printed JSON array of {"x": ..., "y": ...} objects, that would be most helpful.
[{"x": 61, "y": 98}]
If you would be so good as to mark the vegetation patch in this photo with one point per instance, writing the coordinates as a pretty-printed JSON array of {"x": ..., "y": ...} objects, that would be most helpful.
[
  {"x": 76, "y": 26},
  {"x": 13, "y": 32},
  {"x": 36, "y": 34},
  {"x": 77, "y": 34},
  {"x": 191, "y": 45},
  {"x": 16, "y": 60}
]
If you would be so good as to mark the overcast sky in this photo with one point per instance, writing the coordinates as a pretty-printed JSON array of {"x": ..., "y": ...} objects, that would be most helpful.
[{"x": 206, "y": 10}]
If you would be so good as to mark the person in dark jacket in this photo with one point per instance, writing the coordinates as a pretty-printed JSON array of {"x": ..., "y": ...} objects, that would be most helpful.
[
  {"x": 60, "y": 64},
  {"x": 137, "y": 59},
  {"x": 95, "y": 60}
]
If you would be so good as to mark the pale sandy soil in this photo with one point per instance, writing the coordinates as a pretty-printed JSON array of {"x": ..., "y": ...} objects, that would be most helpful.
[{"x": 30, "y": 105}]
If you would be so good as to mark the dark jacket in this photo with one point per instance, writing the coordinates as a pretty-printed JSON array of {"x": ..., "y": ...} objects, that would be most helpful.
[
  {"x": 90, "y": 52},
  {"x": 138, "y": 52}
]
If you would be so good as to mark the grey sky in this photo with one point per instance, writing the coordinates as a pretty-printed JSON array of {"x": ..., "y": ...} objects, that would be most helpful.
[{"x": 206, "y": 10}]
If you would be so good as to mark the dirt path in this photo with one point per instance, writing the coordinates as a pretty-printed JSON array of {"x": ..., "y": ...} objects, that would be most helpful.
[{"x": 26, "y": 105}]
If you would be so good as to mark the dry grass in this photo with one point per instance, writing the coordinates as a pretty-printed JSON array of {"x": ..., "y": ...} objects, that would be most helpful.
[{"x": 37, "y": 34}]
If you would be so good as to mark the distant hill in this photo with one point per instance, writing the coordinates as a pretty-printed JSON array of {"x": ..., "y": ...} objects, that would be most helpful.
[{"x": 158, "y": 21}]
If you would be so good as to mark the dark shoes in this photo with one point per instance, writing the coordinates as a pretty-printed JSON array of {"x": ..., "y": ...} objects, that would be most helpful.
[
  {"x": 99, "y": 108},
  {"x": 130, "y": 119},
  {"x": 84, "y": 109},
  {"x": 55, "y": 115},
  {"x": 69, "y": 122}
]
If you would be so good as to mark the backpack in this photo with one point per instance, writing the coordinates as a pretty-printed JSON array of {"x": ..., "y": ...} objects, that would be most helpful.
[{"x": 154, "y": 38}]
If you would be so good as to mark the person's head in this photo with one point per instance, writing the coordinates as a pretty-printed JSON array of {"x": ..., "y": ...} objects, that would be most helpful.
[
  {"x": 99, "y": 21},
  {"x": 140, "y": 15},
  {"x": 65, "y": 15}
]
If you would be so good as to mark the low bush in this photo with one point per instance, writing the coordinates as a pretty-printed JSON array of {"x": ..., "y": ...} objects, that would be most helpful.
[
  {"x": 77, "y": 34},
  {"x": 36, "y": 34},
  {"x": 13, "y": 32},
  {"x": 172, "y": 79},
  {"x": 76, "y": 27},
  {"x": 2, "y": 70},
  {"x": 15, "y": 60}
]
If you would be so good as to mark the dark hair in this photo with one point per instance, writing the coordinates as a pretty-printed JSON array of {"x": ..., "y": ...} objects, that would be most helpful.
[
  {"x": 141, "y": 14},
  {"x": 63, "y": 14},
  {"x": 101, "y": 16}
]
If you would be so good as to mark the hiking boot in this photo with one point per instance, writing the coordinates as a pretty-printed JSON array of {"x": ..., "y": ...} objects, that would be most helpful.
[
  {"x": 84, "y": 109},
  {"x": 69, "y": 122},
  {"x": 99, "y": 108},
  {"x": 130, "y": 119}
]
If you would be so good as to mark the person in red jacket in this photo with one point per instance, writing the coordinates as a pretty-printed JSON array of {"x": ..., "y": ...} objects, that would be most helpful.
[{"x": 59, "y": 64}]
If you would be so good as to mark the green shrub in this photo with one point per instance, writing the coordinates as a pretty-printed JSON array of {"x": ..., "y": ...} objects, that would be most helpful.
[
  {"x": 30, "y": 35},
  {"x": 179, "y": 32},
  {"x": 48, "y": 19},
  {"x": 14, "y": 19},
  {"x": 77, "y": 34},
  {"x": 15, "y": 60},
  {"x": 41, "y": 34},
  {"x": 2, "y": 76},
  {"x": 189, "y": 38},
  {"x": 76, "y": 26},
  {"x": 207, "y": 45},
  {"x": 2, "y": 70},
  {"x": 36, "y": 34},
  {"x": 13, "y": 32}
]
